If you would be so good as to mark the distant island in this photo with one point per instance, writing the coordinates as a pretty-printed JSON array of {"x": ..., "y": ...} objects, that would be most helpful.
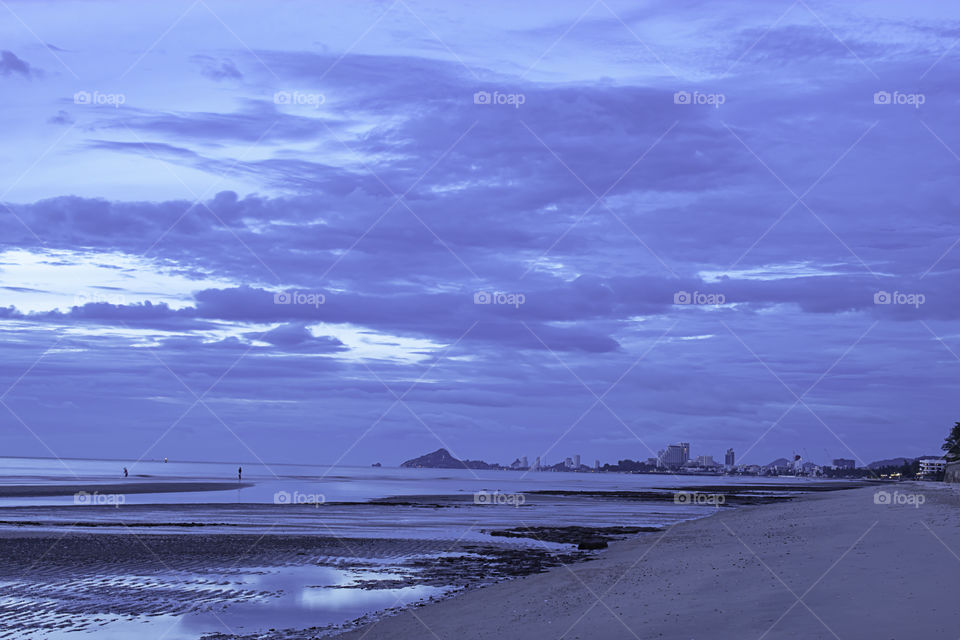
[{"x": 441, "y": 459}]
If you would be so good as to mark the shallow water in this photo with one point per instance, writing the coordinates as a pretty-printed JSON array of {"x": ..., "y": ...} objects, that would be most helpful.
[
  {"x": 330, "y": 484},
  {"x": 253, "y": 600},
  {"x": 325, "y": 488}
]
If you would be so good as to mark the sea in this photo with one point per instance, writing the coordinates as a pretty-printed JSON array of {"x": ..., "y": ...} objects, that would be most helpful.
[{"x": 339, "y": 489}]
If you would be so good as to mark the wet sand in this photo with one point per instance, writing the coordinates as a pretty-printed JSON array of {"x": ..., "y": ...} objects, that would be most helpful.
[
  {"x": 174, "y": 586},
  {"x": 847, "y": 564},
  {"x": 116, "y": 488}
]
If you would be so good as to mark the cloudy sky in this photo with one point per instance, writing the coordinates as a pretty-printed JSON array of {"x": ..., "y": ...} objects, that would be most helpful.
[{"x": 357, "y": 232}]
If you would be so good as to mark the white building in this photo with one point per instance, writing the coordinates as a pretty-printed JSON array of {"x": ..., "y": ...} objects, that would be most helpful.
[
  {"x": 932, "y": 466},
  {"x": 705, "y": 461}
]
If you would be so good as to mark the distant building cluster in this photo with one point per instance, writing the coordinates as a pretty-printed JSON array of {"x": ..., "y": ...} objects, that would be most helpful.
[
  {"x": 677, "y": 458},
  {"x": 571, "y": 463}
]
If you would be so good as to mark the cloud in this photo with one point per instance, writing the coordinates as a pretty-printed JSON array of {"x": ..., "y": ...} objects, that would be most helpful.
[
  {"x": 297, "y": 336},
  {"x": 62, "y": 117},
  {"x": 217, "y": 69},
  {"x": 258, "y": 121},
  {"x": 10, "y": 64}
]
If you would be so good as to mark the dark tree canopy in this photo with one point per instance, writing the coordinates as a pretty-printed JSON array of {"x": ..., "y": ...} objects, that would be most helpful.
[{"x": 952, "y": 444}]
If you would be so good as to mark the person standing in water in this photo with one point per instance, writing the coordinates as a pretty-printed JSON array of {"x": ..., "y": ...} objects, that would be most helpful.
[
  {"x": 239, "y": 474},
  {"x": 125, "y": 474}
]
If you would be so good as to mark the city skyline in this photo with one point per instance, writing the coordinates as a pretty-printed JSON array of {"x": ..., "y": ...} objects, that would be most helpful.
[{"x": 686, "y": 454}]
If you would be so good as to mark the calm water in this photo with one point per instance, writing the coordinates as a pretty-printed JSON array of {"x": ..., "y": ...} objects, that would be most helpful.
[
  {"x": 334, "y": 484},
  {"x": 276, "y": 498}
]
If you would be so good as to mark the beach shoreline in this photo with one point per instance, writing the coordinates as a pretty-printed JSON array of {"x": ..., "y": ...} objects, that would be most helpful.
[
  {"x": 865, "y": 562},
  {"x": 115, "y": 488},
  {"x": 780, "y": 551}
]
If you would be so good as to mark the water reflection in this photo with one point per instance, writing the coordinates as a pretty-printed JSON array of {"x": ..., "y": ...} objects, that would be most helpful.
[{"x": 306, "y": 597}]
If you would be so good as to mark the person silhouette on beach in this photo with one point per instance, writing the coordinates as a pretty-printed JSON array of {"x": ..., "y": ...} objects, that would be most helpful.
[
  {"x": 239, "y": 474},
  {"x": 125, "y": 473}
]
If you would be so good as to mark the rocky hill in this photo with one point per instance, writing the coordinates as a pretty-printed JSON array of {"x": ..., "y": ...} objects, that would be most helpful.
[{"x": 441, "y": 459}]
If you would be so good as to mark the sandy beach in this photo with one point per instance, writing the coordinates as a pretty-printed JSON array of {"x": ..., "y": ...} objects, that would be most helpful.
[
  {"x": 864, "y": 563},
  {"x": 778, "y": 560}
]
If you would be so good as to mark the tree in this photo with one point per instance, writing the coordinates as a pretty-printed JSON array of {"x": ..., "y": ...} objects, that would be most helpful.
[{"x": 952, "y": 444}]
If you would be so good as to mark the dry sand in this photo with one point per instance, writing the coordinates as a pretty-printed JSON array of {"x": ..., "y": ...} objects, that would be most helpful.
[{"x": 835, "y": 565}]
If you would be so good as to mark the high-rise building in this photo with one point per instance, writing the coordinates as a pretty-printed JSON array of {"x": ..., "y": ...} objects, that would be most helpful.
[
  {"x": 729, "y": 459},
  {"x": 843, "y": 463},
  {"x": 568, "y": 463},
  {"x": 596, "y": 465},
  {"x": 686, "y": 451},
  {"x": 537, "y": 467},
  {"x": 674, "y": 456},
  {"x": 576, "y": 461},
  {"x": 524, "y": 463}
]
